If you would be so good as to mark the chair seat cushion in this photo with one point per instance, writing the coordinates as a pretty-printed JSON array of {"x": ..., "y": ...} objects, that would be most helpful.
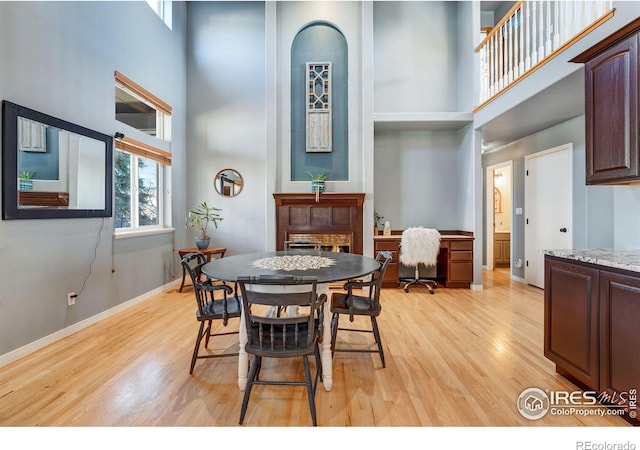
[
  {"x": 361, "y": 306},
  {"x": 214, "y": 309}
]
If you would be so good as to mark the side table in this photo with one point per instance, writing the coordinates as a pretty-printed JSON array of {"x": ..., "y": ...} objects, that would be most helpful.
[{"x": 208, "y": 253}]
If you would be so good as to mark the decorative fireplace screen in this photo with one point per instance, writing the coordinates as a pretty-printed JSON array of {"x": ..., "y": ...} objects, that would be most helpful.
[{"x": 331, "y": 242}]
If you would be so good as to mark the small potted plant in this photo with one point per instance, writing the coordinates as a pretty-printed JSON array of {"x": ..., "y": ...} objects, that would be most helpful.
[
  {"x": 26, "y": 180},
  {"x": 378, "y": 225},
  {"x": 200, "y": 217},
  {"x": 318, "y": 182}
]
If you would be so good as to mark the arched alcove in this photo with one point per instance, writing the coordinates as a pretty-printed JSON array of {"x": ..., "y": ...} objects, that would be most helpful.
[{"x": 320, "y": 42}]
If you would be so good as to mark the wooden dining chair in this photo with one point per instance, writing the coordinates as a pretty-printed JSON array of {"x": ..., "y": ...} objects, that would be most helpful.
[
  {"x": 353, "y": 305},
  {"x": 288, "y": 336},
  {"x": 215, "y": 302}
]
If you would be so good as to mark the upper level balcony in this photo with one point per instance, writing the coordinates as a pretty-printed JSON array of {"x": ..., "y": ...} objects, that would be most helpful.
[
  {"x": 530, "y": 35},
  {"x": 525, "y": 81}
]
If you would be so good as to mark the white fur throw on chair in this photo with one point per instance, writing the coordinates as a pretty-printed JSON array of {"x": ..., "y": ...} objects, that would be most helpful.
[{"x": 419, "y": 245}]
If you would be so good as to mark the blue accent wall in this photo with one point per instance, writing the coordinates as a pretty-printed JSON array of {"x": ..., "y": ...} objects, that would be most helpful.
[
  {"x": 45, "y": 165},
  {"x": 319, "y": 42}
]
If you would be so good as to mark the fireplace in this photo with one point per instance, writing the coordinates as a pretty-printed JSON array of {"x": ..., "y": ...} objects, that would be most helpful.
[{"x": 335, "y": 220}]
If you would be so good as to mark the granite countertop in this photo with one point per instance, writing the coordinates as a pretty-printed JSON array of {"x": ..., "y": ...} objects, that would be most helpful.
[{"x": 627, "y": 259}]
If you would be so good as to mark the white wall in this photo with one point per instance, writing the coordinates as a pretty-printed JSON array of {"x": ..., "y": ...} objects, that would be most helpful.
[
  {"x": 59, "y": 58},
  {"x": 594, "y": 209},
  {"x": 626, "y": 216},
  {"x": 415, "y": 53},
  {"x": 226, "y": 117},
  {"x": 417, "y": 178}
]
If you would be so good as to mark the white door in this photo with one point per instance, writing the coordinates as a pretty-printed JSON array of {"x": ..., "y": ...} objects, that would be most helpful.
[{"x": 548, "y": 207}]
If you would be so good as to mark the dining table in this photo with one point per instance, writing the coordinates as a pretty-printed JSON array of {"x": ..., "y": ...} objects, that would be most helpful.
[{"x": 327, "y": 267}]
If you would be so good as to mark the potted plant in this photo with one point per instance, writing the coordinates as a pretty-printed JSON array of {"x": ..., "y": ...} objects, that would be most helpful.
[
  {"x": 318, "y": 182},
  {"x": 200, "y": 217},
  {"x": 26, "y": 181},
  {"x": 378, "y": 225}
]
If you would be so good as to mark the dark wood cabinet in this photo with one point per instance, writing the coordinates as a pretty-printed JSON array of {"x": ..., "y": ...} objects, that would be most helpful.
[
  {"x": 611, "y": 108},
  {"x": 390, "y": 279},
  {"x": 460, "y": 262},
  {"x": 620, "y": 340},
  {"x": 591, "y": 319},
  {"x": 571, "y": 320},
  {"x": 334, "y": 218}
]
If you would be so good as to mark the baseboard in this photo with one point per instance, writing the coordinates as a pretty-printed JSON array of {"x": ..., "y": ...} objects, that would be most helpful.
[
  {"x": 476, "y": 287},
  {"x": 68, "y": 331},
  {"x": 518, "y": 279}
]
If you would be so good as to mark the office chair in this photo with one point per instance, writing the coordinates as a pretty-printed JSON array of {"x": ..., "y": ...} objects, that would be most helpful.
[{"x": 419, "y": 245}]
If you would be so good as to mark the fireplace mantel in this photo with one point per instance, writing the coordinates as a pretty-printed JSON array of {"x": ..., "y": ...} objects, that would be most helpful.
[{"x": 333, "y": 213}]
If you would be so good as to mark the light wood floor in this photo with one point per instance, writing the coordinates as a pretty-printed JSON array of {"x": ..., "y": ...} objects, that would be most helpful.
[{"x": 456, "y": 358}]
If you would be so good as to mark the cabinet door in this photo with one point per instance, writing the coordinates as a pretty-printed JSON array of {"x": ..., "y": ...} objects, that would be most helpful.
[
  {"x": 611, "y": 108},
  {"x": 390, "y": 279},
  {"x": 619, "y": 336},
  {"x": 498, "y": 257},
  {"x": 506, "y": 252},
  {"x": 571, "y": 320}
]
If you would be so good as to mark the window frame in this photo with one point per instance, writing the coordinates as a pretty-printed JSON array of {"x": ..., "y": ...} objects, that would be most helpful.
[
  {"x": 136, "y": 149},
  {"x": 164, "y": 10}
]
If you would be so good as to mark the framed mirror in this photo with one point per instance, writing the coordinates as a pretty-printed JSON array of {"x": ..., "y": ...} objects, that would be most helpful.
[
  {"x": 52, "y": 168},
  {"x": 228, "y": 182}
]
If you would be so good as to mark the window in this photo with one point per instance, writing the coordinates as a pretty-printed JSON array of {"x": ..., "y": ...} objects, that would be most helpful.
[
  {"x": 140, "y": 168},
  {"x": 140, "y": 109},
  {"x": 163, "y": 9}
]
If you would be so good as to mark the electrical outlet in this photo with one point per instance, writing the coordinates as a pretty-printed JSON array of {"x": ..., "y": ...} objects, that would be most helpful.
[{"x": 71, "y": 298}]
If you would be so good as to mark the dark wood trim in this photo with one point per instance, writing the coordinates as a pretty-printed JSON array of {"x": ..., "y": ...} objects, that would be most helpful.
[{"x": 326, "y": 199}]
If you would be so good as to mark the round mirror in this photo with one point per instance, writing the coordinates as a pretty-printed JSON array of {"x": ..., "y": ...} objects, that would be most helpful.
[{"x": 228, "y": 182}]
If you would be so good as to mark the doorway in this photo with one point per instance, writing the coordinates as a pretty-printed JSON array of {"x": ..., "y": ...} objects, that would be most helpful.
[
  {"x": 548, "y": 206},
  {"x": 499, "y": 216}
]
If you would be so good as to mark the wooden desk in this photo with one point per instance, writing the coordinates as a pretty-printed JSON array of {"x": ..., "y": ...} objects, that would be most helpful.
[
  {"x": 455, "y": 260},
  {"x": 208, "y": 253}
]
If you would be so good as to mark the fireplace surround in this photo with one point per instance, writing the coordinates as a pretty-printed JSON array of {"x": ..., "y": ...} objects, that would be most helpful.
[{"x": 335, "y": 219}]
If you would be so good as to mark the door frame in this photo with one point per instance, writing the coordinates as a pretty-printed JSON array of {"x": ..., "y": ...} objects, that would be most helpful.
[
  {"x": 569, "y": 147},
  {"x": 489, "y": 230}
]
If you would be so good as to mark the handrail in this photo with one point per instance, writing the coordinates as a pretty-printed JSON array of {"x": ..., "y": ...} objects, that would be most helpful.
[
  {"x": 529, "y": 35},
  {"x": 506, "y": 17}
]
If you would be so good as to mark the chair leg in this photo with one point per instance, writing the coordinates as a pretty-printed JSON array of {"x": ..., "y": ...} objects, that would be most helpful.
[
  {"x": 195, "y": 349},
  {"x": 207, "y": 335},
  {"x": 310, "y": 390},
  {"x": 376, "y": 333},
  {"x": 334, "y": 332},
  {"x": 429, "y": 284},
  {"x": 316, "y": 353},
  {"x": 257, "y": 377},
  {"x": 255, "y": 363}
]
